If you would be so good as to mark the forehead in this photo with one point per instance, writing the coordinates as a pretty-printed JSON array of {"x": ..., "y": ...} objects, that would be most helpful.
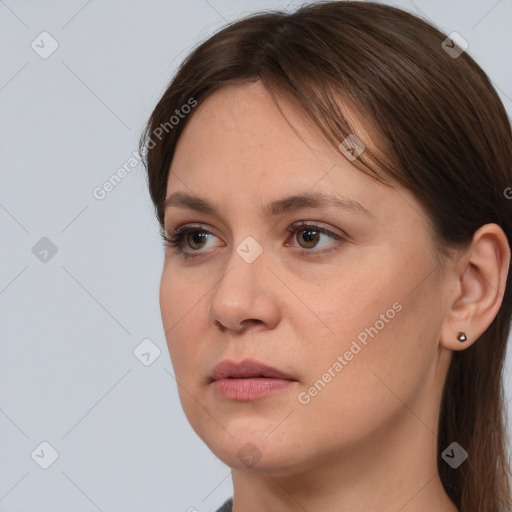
[
  {"x": 237, "y": 117},
  {"x": 238, "y": 132},
  {"x": 240, "y": 153}
]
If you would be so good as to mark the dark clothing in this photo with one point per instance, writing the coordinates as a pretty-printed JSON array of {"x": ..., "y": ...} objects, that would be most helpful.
[{"x": 227, "y": 506}]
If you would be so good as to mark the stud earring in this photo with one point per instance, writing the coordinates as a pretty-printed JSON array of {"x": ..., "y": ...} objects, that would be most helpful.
[{"x": 462, "y": 336}]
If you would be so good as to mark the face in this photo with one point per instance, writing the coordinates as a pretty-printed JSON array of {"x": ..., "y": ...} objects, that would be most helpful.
[{"x": 340, "y": 298}]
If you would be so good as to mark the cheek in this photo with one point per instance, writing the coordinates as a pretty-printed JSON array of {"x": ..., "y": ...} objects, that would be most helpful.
[
  {"x": 370, "y": 390},
  {"x": 179, "y": 297},
  {"x": 385, "y": 335},
  {"x": 180, "y": 303},
  {"x": 357, "y": 306}
]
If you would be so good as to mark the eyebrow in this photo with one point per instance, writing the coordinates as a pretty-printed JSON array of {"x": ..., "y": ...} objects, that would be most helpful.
[{"x": 277, "y": 207}]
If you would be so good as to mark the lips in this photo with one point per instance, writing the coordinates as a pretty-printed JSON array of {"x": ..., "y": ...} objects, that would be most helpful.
[{"x": 247, "y": 369}]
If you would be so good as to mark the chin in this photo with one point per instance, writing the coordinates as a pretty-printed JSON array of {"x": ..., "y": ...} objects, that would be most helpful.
[
  {"x": 245, "y": 454},
  {"x": 251, "y": 447}
]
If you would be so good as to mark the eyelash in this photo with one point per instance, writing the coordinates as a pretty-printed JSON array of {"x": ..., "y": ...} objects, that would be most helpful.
[{"x": 176, "y": 238}]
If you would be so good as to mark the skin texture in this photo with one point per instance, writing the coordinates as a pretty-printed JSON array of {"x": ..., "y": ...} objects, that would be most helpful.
[{"x": 367, "y": 440}]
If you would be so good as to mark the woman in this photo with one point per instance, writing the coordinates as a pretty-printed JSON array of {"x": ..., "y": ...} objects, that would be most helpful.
[{"x": 362, "y": 371}]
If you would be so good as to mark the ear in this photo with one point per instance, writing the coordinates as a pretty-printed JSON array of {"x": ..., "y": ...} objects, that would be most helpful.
[{"x": 480, "y": 276}]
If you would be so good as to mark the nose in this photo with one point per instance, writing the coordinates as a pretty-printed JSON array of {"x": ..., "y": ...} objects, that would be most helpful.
[{"x": 246, "y": 296}]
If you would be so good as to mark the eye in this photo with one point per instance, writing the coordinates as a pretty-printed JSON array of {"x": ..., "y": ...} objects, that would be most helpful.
[
  {"x": 192, "y": 239},
  {"x": 309, "y": 234},
  {"x": 195, "y": 237}
]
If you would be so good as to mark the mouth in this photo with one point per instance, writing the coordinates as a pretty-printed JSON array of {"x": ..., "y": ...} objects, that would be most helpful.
[
  {"x": 247, "y": 369},
  {"x": 248, "y": 380}
]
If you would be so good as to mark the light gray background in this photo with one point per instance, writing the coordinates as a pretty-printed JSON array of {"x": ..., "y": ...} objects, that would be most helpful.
[{"x": 69, "y": 326}]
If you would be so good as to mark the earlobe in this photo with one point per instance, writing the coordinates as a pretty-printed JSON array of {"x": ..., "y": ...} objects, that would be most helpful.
[
  {"x": 456, "y": 338},
  {"x": 481, "y": 276},
  {"x": 462, "y": 336}
]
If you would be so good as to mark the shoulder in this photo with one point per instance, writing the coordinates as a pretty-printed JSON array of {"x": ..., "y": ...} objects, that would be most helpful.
[{"x": 227, "y": 506}]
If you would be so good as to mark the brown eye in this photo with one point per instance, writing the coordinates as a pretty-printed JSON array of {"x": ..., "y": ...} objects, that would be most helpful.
[
  {"x": 313, "y": 240},
  {"x": 196, "y": 239},
  {"x": 188, "y": 241},
  {"x": 309, "y": 236}
]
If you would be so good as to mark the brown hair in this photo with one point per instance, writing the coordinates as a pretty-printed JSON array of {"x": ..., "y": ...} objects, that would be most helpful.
[{"x": 447, "y": 139}]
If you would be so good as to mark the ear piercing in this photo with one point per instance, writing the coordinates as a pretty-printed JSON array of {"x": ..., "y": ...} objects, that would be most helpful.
[{"x": 462, "y": 336}]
